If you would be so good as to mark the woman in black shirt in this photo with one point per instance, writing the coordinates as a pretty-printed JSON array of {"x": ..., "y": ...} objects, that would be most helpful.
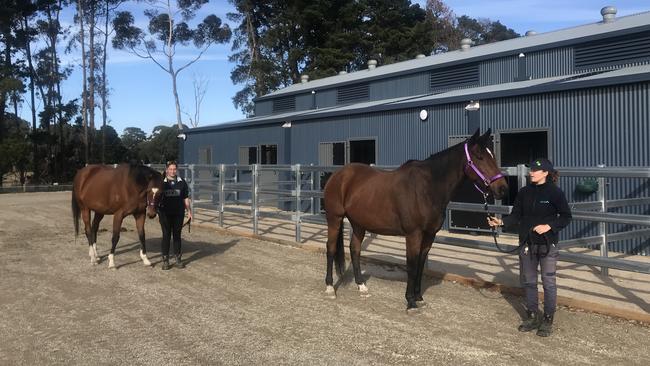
[
  {"x": 541, "y": 211},
  {"x": 175, "y": 200}
]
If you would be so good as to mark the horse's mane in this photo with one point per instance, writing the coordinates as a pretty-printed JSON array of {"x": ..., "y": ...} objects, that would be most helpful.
[
  {"x": 437, "y": 159},
  {"x": 141, "y": 174}
]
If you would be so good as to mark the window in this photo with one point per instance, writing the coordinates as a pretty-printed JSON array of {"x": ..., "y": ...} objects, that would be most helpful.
[
  {"x": 284, "y": 104},
  {"x": 353, "y": 93},
  {"x": 454, "y": 77},
  {"x": 247, "y": 155},
  {"x": 269, "y": 154},
  {"x": 613, "y": 51},
  {"x": 205, "y": 155}
]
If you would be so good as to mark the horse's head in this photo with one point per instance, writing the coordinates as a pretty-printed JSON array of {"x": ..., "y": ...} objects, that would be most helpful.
[
  {"x": 481, "y": 166},
  {"x": 154, "y": 192}
]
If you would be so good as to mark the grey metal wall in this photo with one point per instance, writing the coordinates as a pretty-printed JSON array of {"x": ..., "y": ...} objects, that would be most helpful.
[
  {"x": 415, "y": 84},
  {"x": 263, "y": 108},
  {"x": 400, "y": 135},
  {"x": 225, "y": 143},
  {"x": 588, "y": 127}
]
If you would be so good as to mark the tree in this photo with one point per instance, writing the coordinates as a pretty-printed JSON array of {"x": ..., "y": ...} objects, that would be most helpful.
[
  {"x": 106, "y": 12},
  {"x": 132, "y": 137},
  {"x": 166, "y": 31},
  {"x": 277, "y": 41},
  {"x": 483, "y": 31},
  {"x": 162, "y": 146},
  {"x": 15, "y": 147}
]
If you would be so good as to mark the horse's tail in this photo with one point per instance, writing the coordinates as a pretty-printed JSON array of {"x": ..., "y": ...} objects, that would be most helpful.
[
  {"x": 76, "y": 212},
  {"x": 339, "y": 257}
]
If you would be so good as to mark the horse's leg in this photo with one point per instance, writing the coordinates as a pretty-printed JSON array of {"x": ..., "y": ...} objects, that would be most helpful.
[
  {"x": 427, "y": 240},
  {"x": 413, "y": 242},
  {"x": 85, "y": 216},
  {"x": 139, "y": 224},
  {"x": 358, "y": 233},
  {"x": 117, "y": 225},
  {"x": 334, "y": 226},
  {"x": 95, "y": 227}
]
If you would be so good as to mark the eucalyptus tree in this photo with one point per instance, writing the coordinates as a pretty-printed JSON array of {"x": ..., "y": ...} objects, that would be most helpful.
[{"x": 168, "y": 30}]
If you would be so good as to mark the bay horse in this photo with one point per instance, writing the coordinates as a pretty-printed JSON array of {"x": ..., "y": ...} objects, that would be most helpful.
[
  {"x": 410, "y": 201},
  {"x": 121, "y": 191}
]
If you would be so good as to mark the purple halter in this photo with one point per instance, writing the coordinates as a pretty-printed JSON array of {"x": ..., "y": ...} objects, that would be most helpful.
[{"x": 486, "y": 181}]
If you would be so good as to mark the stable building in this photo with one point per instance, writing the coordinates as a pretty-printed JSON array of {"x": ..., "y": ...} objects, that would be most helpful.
[{"x": 579, "y": 96}]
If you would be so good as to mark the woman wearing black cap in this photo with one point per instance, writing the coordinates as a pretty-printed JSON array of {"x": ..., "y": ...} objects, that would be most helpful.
[{"x": 541, "y": 210}]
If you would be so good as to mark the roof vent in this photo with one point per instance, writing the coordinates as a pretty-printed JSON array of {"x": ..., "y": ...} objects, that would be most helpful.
[
  {"x": 372, "y": 64},
  {"x": 465, "y": 44},
  {"x": 608, "y": 13},
  {"x": 419, "y": 56},
  {"x": 304, "y": 78},
  {"x": 342, "y": 72},
  {"x": 530, "y": 33}
]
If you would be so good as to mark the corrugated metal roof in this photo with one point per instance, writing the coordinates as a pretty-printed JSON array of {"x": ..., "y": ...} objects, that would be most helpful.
[
  {"x": 536, "y": 86},
  {"x": 563, "y": 37}
]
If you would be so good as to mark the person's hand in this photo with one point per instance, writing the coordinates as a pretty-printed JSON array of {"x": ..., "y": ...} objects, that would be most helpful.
[
  {"x": 189, "y": 215},
  {"x": 541, "y": 229},
  {"x": 494, "y": 221}
]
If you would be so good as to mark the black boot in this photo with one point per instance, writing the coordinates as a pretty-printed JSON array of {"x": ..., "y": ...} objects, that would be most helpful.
[
  {"x": 531, "y": 322},
  {"x": 165, "y": 263},
  {"x": 546, "y": 328},
  {"x": 179, "y": 263}
]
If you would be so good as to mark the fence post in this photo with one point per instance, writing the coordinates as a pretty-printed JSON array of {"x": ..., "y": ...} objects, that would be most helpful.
[
  {"x": 191, "y": 187},
  {"x": 602, "y": 226},
  {"x": 222, "y": 195},
  {"x": 521, "y": 176},
  {"x": 311, "y": 187},
  {"x": 254, "y": 189},
  {"x": 297, "y": 211},
  {"x": 235, "y": 179}
]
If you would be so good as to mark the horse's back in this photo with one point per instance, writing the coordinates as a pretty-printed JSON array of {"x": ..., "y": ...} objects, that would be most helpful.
[{"x": 95, "y": 186}]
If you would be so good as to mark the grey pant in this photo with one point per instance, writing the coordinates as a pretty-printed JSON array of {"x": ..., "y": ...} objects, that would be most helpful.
[{"x": 529, "y": 261}]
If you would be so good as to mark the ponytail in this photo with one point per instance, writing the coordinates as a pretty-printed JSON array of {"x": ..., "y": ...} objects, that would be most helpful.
[{"x": 553, "y": 176}]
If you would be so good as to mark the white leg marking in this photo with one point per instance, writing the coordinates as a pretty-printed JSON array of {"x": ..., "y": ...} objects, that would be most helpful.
[
  {"x": 95, "y": 251},
  {"x": 363, "y": 290},
  {"x": 91, "y": 253},
  {"x": 330, "y": 293},
  {"x": 145, "y": 260},
  {"x": 111, "y": 263}
]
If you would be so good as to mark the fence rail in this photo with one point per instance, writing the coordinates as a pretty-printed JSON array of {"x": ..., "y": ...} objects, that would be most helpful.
[{"x": 297, "y": 190}]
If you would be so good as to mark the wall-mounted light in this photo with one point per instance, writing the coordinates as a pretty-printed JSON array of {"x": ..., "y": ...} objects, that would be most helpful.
[
  {"x": 287, "y": 124},
  {"x": 424, "y": 115},
  {"x": 182, "y": 136},
  {"x": 472, "y": 106}
]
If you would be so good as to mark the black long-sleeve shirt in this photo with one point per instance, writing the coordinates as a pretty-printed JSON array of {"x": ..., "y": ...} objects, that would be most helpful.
[{"x": 537, "y": 205}]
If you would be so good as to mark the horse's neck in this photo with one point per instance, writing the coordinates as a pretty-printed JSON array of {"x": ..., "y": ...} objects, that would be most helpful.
[{"x": 449, "y": 166}]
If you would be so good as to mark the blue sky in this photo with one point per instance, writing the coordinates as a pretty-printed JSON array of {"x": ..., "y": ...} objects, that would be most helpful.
[{"x": 141, "y": 92}]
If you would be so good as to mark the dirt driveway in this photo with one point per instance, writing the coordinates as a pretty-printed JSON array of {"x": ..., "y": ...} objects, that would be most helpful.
[{"x": 243, "y": 302}]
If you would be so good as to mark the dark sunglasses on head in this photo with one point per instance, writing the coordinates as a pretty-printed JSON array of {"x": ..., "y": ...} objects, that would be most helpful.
[{"x": 171, "y": 162}]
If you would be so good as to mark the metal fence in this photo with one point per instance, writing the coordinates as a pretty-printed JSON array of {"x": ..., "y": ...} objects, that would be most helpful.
[
  {"x": 294, "y": 193},
  {"x": 35, "y": 188}
]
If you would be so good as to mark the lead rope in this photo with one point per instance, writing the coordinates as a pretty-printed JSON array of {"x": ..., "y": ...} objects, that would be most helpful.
[{"x": 494, "y": 230}]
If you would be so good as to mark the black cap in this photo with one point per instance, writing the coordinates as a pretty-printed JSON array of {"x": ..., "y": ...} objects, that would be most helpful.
[{"x": 541, "y": 164}]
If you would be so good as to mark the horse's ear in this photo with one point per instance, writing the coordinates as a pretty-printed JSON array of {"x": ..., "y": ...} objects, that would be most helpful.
[
  {"x": 485, "y": 139},
  {"x": 475, "y": 136}
]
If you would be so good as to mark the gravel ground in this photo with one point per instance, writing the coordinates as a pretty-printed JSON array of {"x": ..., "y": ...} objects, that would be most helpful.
[{"x": 242, "y": 301}]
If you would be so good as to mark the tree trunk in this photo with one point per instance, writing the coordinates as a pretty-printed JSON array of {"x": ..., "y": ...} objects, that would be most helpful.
[
  {"x": 104, "y": 87},
  {"x": 84, "y": 107},
  {"x": 91, "y": 73}
]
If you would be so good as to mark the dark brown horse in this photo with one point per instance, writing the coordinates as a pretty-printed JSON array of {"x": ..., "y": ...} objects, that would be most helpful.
[
  {"x": 409, "y": 201},
  {"x": 121, "y": 191}
]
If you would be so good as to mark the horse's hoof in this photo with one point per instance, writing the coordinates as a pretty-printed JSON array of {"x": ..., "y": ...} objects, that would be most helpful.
[
  {"x": 422, "y": 304},
  {"x": 330, "y": 293},
  {"x": 363, "y": 290},
  {"x": 413, "y": 310}
]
